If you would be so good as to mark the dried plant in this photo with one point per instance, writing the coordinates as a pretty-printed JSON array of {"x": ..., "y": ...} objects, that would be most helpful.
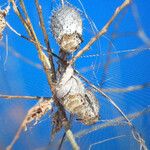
[
  {"x": 68, "y": 87},
  {"x": 3, "y": 13}
]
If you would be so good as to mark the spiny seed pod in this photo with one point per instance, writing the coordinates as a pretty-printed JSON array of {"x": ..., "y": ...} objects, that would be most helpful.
[
  {"x": 76, "y": 99},
  {"x": 3, "y": 13},
  {"x": 66, "y": 26}
]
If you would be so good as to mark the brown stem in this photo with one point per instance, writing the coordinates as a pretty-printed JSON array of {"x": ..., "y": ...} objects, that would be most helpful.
[
  {"x": 39, "y": 9},
  {"x": 23, "y": 97},
  {"x": 103, "y": 31}
]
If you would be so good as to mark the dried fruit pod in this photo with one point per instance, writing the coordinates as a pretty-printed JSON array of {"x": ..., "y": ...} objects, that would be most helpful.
[
  {"x": 76, "y": 99},
  {"x": 66, "y": 26},
  {"x": 3, "y": 13},
  {"x": 69, "y": 83},
  {"x": 86, "y": 107},
  {"x": 2, "y": 24}
]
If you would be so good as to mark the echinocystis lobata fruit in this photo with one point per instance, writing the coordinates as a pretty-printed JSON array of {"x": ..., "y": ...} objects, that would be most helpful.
[
  {"x": 3, "y": 13},
  {"x": 76, "y": 98},
  {"x": 66, "y": 26}
]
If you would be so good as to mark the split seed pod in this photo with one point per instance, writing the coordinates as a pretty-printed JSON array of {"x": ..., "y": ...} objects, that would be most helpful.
[
  {"x": 76, "y": 99},
  {"x": 66, "y": 26}
]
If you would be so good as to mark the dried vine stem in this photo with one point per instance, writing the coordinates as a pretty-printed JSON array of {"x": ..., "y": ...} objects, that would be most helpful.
[
  {"x": 46, "y": 65},
  {"x": 71, "y": 138},
  {"x": 106, "y": 140},
  {"x": 103, "y": 31},
  {"x": 23, "y": 97},
  {"x": 39, "y": 9}
]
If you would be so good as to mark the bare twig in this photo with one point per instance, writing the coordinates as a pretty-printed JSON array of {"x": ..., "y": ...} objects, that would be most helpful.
[
  {"x": 106, "y": 140},
  {"x": 103, "y": 31},
  {"x": 61, "y": 142},
  {"x": 64, "y": 135},
  {"x": 70, "y": 137},
  {"x": 39, "y": 9},
  {"x": 24, "y": 97},
  {"x": 13, "y": 30},
  {"x": 42, "y": 56}
]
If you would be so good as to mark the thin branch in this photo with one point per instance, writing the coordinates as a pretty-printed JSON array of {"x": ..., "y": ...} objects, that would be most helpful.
[
  {"x": 106, "y": 140},
  {"x": 71, "y": 138},
  {"x": 62, "y": 141},
  {"x": 39, "y": 9},
  {"x": 103, "y": 31},
  {"x": 22, "y": 36},
  {"x": 10, "y": 97},
  {"x": 64, "y": 135},
  {"x": 113, "y": 122},
  {"x": 24, "y": 8}
]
